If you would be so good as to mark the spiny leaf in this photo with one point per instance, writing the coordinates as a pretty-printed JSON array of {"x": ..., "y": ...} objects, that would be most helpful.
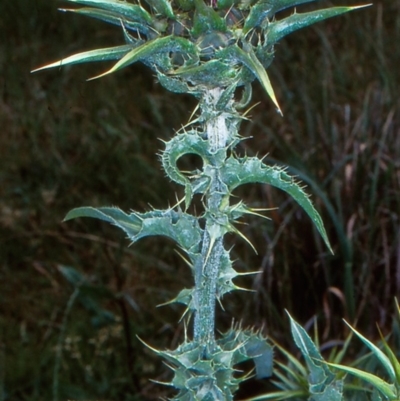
[
  {"x": 153, "y": 47},
  {"x": 185, "y": 297},
  {"x": 250, "y": 60},
  {"x": 237, "y": 172},
  {"x": 108, "y": 214},
  {"x": 277, "y": 30},
  {"x": 261, "y": 352},
  {"x": 266, "y": 9},
  {"x": 188, "y": 143},
  {"x": 181, "y": 227},
  {"x": 319, "y": 372},
  {"x": 174, "y": 84},
  {"x": 185, "y": 5},
  {"x": 135, "y": 24},
  {"x": 163, "y": 7},
  {"x": 123, "y": 8},
  {"x": 109, "y": 53},
  {"x": 322, "y": 383},
  {"x": 225, "y": 4},
  {"x": 279, "y": 5},
  {"x": 206, "y": 19},
  {"x": 248, "y": 344},
  {"x": 211, "y": 73}
]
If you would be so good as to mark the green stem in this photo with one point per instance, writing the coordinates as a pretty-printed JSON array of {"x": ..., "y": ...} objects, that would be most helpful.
[
  {"x": 206, "y": 287},
  {"x": 206, "y": 273}
]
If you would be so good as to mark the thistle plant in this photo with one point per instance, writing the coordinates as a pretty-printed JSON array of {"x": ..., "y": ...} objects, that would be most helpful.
[{"x": 213, "y": 50}]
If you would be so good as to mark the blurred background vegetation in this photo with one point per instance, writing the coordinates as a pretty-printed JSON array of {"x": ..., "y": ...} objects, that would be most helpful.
[{"x": 74, "y": 296}]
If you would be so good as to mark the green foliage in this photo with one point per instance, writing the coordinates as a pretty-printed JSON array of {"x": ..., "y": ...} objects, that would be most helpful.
[
  {"x": 208, "y": 374},
  {"x": 315, "y": 381},
  {"x": 322, "y": 383},
  {"x": 198, "y": 39},
  {"x": 90, "y": 296},
  {"x": 390, "y": 363}
]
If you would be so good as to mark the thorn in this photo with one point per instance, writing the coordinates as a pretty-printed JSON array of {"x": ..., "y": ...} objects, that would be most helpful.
[
  {"x": 187, "y": 310},
  {"x": 250, "y": 108},
  {"x": 212, "y": 242},
  {"x": 193, "y": 113},
  {"x": 249, "y": 273},
  {"x": 184, "y": 259},
  {"x": 235, "y": 230},
  {"x": 185, "y": 331},
  {"x": 163, "y": 383},
  {"x": 264, "y": 209},
  {"x": 220, "y": 303},
  {"x": 128, "y": 37},
  {"x": 254, "y": 213},
  {"x": 243, "y": 289},
  {"x": 151, "y": 206},
  {"x": 148, "y": 346},
  {"x": 178, "y": 203}
]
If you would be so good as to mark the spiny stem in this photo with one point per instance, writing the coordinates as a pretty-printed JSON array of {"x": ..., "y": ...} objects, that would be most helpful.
[{"x": 206, "y": 274}]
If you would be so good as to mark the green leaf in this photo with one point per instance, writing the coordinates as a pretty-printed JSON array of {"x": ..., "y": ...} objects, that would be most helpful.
[
  {"x": 378, "y": 353},
  {"x": 247, "y": 344},
  {"x": 89, "y": 295},
  {"x": 181, "y": 227},
  {"x": 109, "y": 53},
  {"x": 237, "y": 172},
  {"x": 266, "y": 9},
  {"x": 188, "y": 143},
  {"x": 174, "y": 84},
  {"x": 319, "y": 372},
  {"x": 163, "y": 7},
  {"x": 184, "y": 297},
  {"x": 123, "y": 8},
  {"x": 261, "y": 352},
  {"x": 322, "y": 383},
  {"x": 206, "y": 19},
  {"x": 250, "y": 60},
  {"x": 277, "y": 30},
  {"x": 226, "y": 274},
  {"x": 112, "y": 18},
  {"x": 279, "y": 5},
  {"x": 132, "y": 224},
  {"x": 72, "y": 275},
  {"x": 225, "y": 4},
  {"x": 78, "y": 280},
  {"x": 376, "y": 396},
  {"x": 297, "y": 371},
  {"x": 392, "y": 357},
  {"x": 388, "y": 390},
  {"x": 154, "y": 47},
  {"x": 211, "y": 73},
  {"x": 175, "y": 148},
  {"x": 185, "y": 5}
]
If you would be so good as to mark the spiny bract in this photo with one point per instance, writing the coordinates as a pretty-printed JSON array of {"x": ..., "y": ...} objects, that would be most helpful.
[{"x": 194, "y": 45}]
